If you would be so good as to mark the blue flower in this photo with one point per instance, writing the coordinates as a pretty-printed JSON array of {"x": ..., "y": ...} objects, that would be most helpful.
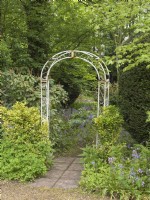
[
  {"x": 128, "y": 146},
  {"x": 135, "y": 154},
  {"x": 83, "y": 125},
  {"x": 143, "y": 183},
  {"x": 93, "y": 162},
  {"x": 111, "y": 160},
  {"x": 120, "y": 166},
  {"x": 140, "y": 171},
  {"x": 136, "y": 178},
  {"x": 132, "y": 173},
  {"x": 90, "y": 116}
]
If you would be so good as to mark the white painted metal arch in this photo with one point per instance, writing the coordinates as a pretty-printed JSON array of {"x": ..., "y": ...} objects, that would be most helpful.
[{"x": 96, "y": 62}]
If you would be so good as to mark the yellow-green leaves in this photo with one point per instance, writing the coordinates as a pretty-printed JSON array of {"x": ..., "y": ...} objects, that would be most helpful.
[
  {"x": 109, "y": 125},
  {"x": 25, "y": 146},
  {"x": 21, "y": 121}
]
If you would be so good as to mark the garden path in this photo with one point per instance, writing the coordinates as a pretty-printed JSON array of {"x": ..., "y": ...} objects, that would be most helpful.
[{"x": 65, "y": 174}]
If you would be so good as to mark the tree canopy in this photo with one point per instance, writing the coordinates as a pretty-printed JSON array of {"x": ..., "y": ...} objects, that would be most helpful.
[{"x": 30, "y": 31}]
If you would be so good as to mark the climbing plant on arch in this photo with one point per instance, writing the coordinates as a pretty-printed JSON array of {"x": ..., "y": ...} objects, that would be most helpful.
[{"x": 94, "y": 61}]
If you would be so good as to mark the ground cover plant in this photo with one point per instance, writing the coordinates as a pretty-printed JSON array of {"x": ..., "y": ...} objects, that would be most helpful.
[
  {"x": 26, "y": 151},
  {"x": 112, "y": 168}
]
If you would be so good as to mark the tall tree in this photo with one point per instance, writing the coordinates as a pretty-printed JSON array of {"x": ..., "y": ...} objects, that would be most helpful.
[
  {"x": 13, "y": 34},
  {"x": 38, "y": 35}
]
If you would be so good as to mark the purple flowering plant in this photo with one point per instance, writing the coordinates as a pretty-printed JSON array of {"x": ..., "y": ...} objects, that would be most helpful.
[
  {"x": 115, "y": 168},
  {"x": 132, "y": 173}
]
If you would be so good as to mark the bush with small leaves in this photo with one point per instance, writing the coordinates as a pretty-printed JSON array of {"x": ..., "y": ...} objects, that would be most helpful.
[
  {"x": 109, "y": 125},
  {"x": 26, "y": 151}
]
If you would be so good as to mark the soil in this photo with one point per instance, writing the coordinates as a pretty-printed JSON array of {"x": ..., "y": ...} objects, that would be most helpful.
[{"x": 11, "y": 190}]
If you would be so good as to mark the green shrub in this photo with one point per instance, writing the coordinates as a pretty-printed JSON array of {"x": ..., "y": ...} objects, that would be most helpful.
[
  {"x": 25, "y": 148},
  {"x": 124, "y": 173},
  {"x": 134, "y": 93},
  {"x": 19, "y": 87},
  {"x": 58, "y": 96},
  {"x": 26, "y": 87},
  {"x": 109, "y": 125},
  {"x": 114, "y": 168}
]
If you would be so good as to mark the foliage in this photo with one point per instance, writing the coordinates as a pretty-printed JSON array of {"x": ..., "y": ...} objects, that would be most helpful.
[
  {"x": 148, "y": 113},
  {"x": 38, "y": 19},
  {"x": 25, "y": 146},
  {"x": 19, "y": 87},
  {"x": 81, "y": 121},
  {"x": 115, "y": 22},
  {"x": 109, "y": 121},
  {"x": 76, "y": 77},
  {"x": 45, "y": 27},
  {"x": 113, "y": 92},
  {"x": 1, "y": 131},
  {"x": 27, "y": 37},
  {"x": 114, "y": 168},
  {"x": 70, "y": 26},
  {"x": 134, "y": 83},
  {"x": 58, "y": 96},
  {"x": 26, "y": 87},
  {"x": 62, "y": 135},
  {"x": 5, "y": 58},
  {"x": 136, "y": 53},
  {"x": 13, "y": 35},
  {"x": 134, "y": 101},
  {"x": 72, "y": 127},
  {"x": 123, "y": 173}
]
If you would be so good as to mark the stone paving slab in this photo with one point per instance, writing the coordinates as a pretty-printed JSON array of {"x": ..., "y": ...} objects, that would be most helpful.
[
  {"x": 60, "y": 166},
  {"x": 66, "y": 184},
  {"x": 64, "y": 159},
  {"x": 65, "y": 173},
  {"x": 71, "y": 175},
  {"x": 76, "y": 167},
  {"x": 54, "y": 173}
]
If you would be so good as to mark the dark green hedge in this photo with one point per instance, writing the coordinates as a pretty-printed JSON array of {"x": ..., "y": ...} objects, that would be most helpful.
[{"x": 134, "y": 93}]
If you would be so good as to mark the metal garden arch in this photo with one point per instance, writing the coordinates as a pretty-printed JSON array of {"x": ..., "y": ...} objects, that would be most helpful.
[{"x": 96, "y": 62}]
